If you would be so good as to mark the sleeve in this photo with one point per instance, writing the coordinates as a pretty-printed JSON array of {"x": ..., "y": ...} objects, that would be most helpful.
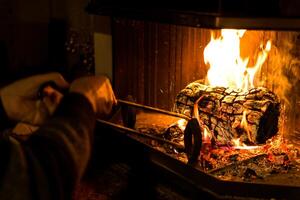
[
  {"x": 50, "y": 162},
  {"x": 4, "y": 121}
]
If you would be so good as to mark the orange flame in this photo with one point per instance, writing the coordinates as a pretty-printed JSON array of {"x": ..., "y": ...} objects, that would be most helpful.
[
  {"x": 207, "y": 136},
  {"x": 244, "y": 125},
  {"x": 181, "y": 124},
  {"x": 238, "y": 144},
  {"x": 227, "y": 68}
]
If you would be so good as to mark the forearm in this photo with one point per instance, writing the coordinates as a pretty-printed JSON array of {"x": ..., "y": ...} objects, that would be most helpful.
[
  {"x": 66, "y": 140},
  {"x": 57, "y": 154},
  {"x": 71, "y": 129}
]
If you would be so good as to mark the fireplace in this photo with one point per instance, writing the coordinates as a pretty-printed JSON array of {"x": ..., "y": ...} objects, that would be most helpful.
[{"x": 159, "y": 53}]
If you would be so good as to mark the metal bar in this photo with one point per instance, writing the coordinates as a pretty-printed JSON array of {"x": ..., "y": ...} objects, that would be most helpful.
[
  {"x": 135, "y": 132},
  {"x": 153, "y": 109}
]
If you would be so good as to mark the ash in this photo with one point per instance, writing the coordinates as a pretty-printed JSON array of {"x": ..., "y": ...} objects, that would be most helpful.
[{"x": 276, "y": 162}]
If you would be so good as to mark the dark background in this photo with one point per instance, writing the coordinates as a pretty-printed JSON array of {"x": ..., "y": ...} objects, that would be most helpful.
[{"x": 33, "y": 36}]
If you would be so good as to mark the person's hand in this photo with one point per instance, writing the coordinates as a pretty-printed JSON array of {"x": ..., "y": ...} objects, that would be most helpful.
[
  {"x": 98, "y": 90},
  {"x": 21, "y": 102}
]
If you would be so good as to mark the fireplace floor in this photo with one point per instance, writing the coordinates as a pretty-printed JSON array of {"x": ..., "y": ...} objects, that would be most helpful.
[
  {"x": 191, "y": 177},
  {"x": 236, "y": 165}
]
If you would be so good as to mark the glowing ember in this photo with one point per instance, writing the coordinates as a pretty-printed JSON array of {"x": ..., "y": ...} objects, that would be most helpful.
[
  {"x": 237, "y": 143},
  {"x": 227, "y": 68},
  {"x": 181, "y": 124},
  {"x": 244, "y": 123},
  {"x": 240, "y": 145},
  {"x": 207, "y": 136}
]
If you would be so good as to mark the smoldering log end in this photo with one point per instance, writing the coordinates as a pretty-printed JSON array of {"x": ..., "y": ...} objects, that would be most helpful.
[{"x": 268, "y": 126}]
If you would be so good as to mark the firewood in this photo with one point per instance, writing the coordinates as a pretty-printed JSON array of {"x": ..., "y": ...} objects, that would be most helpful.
[{"x": 222, "y": 110}]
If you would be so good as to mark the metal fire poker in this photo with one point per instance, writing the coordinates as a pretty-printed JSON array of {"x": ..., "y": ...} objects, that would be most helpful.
[
  {"x": 192, "y": 133},
  {"x": 129, "y": 103},
  {"x": 131, "y": 131},
  {"x": 126, "y": 130}
]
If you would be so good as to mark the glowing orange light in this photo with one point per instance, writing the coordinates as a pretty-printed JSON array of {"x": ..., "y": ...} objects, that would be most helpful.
[
  {"x": 181, "y": 124},
  {"x": 244, "y": 125},
  {"x": 207, "y": 136},
  {"x": 227, "y": 68}
]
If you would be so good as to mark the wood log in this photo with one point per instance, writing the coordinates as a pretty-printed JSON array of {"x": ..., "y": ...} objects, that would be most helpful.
[{"x": 222, "y": 110}]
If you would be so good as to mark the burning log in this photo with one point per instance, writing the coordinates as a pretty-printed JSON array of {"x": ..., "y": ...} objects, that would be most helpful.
[{"x": 229, "y": 114}]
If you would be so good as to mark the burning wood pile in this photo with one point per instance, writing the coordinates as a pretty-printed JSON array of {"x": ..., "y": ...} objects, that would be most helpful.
[
  {"x": 228, "y": 114},
  {"x": 239, "y": 132},
  {"x": 230, "y": 109},
  {"x": 234, "y": 128}
]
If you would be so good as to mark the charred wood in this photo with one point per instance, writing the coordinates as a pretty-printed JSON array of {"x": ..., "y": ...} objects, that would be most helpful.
[{"x": 222, "y": 111}]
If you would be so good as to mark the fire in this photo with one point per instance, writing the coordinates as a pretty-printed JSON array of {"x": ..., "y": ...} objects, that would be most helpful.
[
  {"x": 207, "y": 136},
  {"x": 244, "y": 125},
  {"x": 181, "y": 124},
  {"x": 237, "y": 144},
  {"x": 227, "y": 67}
]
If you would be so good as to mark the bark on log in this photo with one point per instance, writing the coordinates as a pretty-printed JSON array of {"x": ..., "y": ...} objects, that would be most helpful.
[{"x": 221, "y": 110}]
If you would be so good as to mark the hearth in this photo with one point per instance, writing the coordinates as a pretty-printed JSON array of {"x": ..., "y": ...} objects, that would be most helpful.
[{"x": 217, "y": 92}]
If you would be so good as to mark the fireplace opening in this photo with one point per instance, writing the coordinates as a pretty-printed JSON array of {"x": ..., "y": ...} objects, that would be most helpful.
[{"x": 241, "y": 87}]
